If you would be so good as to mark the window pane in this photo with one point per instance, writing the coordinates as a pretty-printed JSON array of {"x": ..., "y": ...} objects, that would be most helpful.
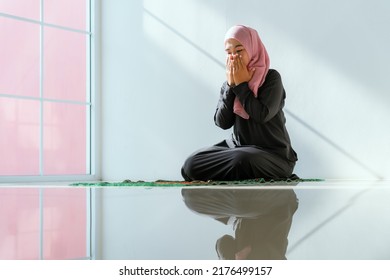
[
  {"x": 19, "y": 141},
  {"x": 64, "y": 223},
  {"x": 19, "y": 58},
  {"x": 64, "y": 139},
  {"x": 64, "y": 65},
  {"x": 69, "y": 13},
  {"x": 26, "y": 8},
  {"x": 19, "y": 227}
]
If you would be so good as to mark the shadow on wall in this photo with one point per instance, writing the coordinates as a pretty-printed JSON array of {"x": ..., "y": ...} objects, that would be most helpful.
[{"x": 334, "y": 145}]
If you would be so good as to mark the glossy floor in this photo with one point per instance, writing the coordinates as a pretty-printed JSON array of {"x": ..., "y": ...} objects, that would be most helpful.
[{"x": 322, "y": 220}]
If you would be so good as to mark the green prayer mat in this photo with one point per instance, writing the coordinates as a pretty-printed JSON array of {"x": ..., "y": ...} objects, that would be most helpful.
[{"x": 167, "y": 183}]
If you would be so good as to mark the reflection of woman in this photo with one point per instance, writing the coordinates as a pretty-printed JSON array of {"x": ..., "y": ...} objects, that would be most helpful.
[
  {"x": 251, "y": 101},
  {"x": 261, "y": 219}
]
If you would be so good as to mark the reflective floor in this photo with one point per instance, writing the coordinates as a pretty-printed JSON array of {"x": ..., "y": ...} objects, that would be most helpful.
[{"x": 322, "y": 220}]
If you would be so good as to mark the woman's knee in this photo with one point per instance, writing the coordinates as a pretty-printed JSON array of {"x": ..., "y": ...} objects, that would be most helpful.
[
  {"x": 242, "y": 158},
  {"x": 187, "y": 168}
]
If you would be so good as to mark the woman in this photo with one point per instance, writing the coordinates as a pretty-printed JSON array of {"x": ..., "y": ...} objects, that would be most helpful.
[{"x": 251, "y": 101}]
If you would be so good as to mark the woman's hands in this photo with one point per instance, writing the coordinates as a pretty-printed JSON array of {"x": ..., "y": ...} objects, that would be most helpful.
[
  {"x": 236, "y": 71},
  {"x": 229, "y": 70}
]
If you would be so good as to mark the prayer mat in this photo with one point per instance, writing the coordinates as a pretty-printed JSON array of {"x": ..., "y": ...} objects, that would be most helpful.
[{"x": 168, "y": 183}]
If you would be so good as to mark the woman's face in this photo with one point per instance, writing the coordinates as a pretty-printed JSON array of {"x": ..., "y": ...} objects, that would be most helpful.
[{"x": 234, "y": 48}]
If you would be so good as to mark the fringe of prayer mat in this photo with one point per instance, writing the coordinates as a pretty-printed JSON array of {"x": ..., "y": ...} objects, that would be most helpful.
[{"x": 167, "y": 183}]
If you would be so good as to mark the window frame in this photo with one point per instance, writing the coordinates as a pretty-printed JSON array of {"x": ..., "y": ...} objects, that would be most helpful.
[{"x": 92, "y": 105}]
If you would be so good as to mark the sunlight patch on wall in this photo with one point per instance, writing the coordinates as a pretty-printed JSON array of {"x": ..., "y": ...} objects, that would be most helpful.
[
  {"x": 202, "y": 22},
  {"x": 196, "y": 47}
]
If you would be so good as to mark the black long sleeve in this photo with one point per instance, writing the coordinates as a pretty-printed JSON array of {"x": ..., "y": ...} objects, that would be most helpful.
[
  {"x": 265, "y": 127},
  {"x": 224, "y": 116},
  {"x": 269, "y": 104}
]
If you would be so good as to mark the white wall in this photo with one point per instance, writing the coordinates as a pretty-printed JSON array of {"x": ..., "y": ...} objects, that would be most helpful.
[{"x": 162, "y": 67}]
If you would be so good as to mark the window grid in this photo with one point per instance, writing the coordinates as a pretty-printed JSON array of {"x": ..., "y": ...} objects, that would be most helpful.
[{"x": 43, "y": 100}]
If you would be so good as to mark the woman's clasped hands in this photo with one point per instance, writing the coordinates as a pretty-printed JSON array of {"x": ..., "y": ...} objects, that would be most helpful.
[{"x": 236, "y": 70}]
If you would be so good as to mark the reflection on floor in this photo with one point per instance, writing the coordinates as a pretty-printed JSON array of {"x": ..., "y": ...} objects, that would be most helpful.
[
  {"x": 321, "y": 220},
  {"x": 43, "y": 223},
  {"x": 334, "y": 220}
]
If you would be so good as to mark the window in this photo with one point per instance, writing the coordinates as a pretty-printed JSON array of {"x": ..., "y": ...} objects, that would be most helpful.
[
  {"x": 45, "y": 89},
  {"x": 46, "y": 120}
]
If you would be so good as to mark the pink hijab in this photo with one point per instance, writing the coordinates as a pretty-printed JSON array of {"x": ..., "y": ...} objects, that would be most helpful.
[{"x": 258, "y": 59}]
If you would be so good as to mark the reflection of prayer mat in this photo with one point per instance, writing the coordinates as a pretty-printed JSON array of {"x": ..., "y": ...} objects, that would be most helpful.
[{"x": 166, "y": 183}]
